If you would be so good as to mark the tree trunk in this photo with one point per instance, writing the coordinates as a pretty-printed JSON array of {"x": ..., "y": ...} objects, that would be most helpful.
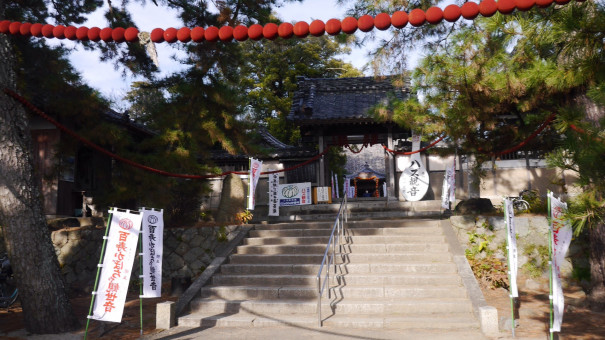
[
  {"x": 46, "y": 307},
  {"x": 596, "y": 297}
]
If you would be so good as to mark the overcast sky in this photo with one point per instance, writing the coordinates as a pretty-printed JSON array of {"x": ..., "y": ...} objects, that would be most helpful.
[{"x": 104, "y": 77}]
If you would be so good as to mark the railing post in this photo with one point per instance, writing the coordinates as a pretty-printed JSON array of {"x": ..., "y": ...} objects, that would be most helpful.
[{"x": 319, "y": 301}]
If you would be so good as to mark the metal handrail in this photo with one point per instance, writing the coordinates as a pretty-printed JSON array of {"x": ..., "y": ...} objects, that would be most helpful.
[{"x": 339, "y": 224}]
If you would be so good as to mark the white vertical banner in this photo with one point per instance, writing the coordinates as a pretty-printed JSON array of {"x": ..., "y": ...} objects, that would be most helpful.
[
  {"x": 384, "y": 189},
  {"x": 336, "y": 186},
  {"x": 449, "y": 186},
  {"x": 273, "y": 194},
  {"x": 255, "y": 169},
  {"x": 119, "y": 255},
  {"x": 452, "y": 181},
  {"x": 511, "y": 241},
  {"x": 332, "y": 180},
  {"x": 153, "y": 245},
  {"x": 347, "y": 186},
  {"x": 561, "y": 239}
]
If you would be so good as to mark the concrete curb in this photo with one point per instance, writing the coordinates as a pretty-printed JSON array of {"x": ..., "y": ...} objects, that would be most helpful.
[
  {"x": 222, "y": 254},
  {"x": 487, "y": 315}
]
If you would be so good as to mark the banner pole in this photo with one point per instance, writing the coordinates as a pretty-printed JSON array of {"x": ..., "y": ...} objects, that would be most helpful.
[
  {"x": 512, "y": 305},
  {"x": 141, "y": 279},
  {"x": 92, "y": 300},
  {"x": 550, "y": 295}
]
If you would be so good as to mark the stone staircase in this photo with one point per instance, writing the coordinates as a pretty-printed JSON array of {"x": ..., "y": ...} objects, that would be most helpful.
[{"x": 392, "y": 274}]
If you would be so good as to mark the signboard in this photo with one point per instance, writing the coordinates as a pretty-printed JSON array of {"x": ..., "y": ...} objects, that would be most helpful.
[
  {"x": 294, "y": 194},
  {"x": 117, "y": 266},
  {"x": 414, "y": 181},
  {"x": 273, "y": 194},
  {"x": 323, "y": 194},
  {"x": 153, "y": 245}
]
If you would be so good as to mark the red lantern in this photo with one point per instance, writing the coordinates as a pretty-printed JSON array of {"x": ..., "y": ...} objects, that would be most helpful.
[
  {"x": 70, "y": 32},
  {"x": 399, "y": 19},
  {"x": 157, "y": 35},
  {"x": 317, "y": 28},
  {"x": 5, "y": 26},
  {"x": 211, "y": 34},
  {"x": 131, "y": 34},
  {"x": 183, "y": 34},
  {"x": 270, "y": 31},
  {"x": 15, "y": 28},
  {"x": 434, "y": 15},
  {"x": 170, "y": 35},
  {"x": 285, "y": 30},
  {"x": 59, "y": 32},
  {"x": 544, "y": 3},
  {"x": 47, "y": 30},
  {"x": 301, "y": 29},
  {"x": 105, "y": 34},
  {"x": 382, "y": 21},
  {"x": 487, "y": 8},
  {"x": 417, "y": 17},
  {"x": 94, "y": 33},
  {"x": 349, "y": 25},
  {"x": 524, "y": 5},
  {"x": 225, "y": 33},
  {"x": 452, "y": 13},
  {"x": 197, "y": 34},
  {"x": 82, "y": 33},
  {"x": 25, "y": 29},
  {"x": 506, "y": 6},
  {"x": 562, "y": 2},
  {"x": 240, "y": 33},
  {"x": 365, "y": 23},
  {"x": 118, "y": 34},
  {"x": 255, "y": 32},
  {"x": 333, "y": 26},
  {"x": 469, "y": 10},
  {"x": 35, "y": 30}
]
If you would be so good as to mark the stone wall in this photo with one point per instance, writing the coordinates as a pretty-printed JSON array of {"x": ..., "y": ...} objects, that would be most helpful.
[
  {"x": 187, "y": 251},
  {"x": 532, "y": 246}
]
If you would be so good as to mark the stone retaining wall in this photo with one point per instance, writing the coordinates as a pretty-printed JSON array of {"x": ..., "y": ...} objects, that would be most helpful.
[
  {"x": 187, "y": 251},
  {"x": 532, "y": 242}
]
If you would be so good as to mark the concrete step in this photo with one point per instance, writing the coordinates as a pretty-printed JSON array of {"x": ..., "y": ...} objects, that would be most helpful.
[
  {"x": 397, "y": 292},
  {"x": 351, "y": 268},
  {"x": 260, "y": 269},
  {"x": 367, "y": 223},
  {"x": 344, "y": 258},
  {"x": 340, "y": 292},
  {"x": 306, "y": 240},
  {"x": 259, "y": 292},
  {"x": 257, "y": 306},
  {"x": 409, "y": 246},
  {"x": 456, "y": 321},
  {"x": 408, "y": 306},
  {"x": 339, "y": 279},
  {"x": 243, "y": 319},
  {"x": 350, "y": 306},
  {"x": 351, "y": 230}
]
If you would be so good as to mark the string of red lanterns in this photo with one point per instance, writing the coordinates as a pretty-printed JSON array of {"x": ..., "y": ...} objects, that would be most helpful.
[{"x": 270, "y": 31}]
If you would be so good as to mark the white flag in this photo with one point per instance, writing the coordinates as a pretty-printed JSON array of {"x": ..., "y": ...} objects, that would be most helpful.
[
  {"x": 153, "y": 245},
  {"x": 117, "y": 266},
  {"x": 347, "y": 186},
  {"x": 255, "y": 169},
  {"x": 512, "y": 246},
  {"x": 273, "y": 194},
  {"x": 561, "y": 239},
  {"x": 336, "y": 185}
]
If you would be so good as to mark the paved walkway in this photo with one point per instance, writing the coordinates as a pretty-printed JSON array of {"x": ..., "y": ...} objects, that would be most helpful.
[{"x": 297, "y": 333}]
